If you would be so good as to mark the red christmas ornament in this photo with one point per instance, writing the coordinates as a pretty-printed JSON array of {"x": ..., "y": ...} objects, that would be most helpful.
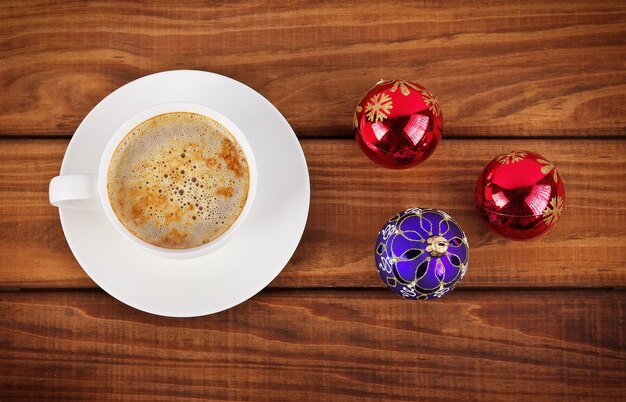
[
  {"x": 520, "y": 195},
  {"x": 398, "y": 124}
]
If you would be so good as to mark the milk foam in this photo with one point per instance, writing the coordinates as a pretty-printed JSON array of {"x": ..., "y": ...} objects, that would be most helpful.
[{"x": 178, "y": 180}]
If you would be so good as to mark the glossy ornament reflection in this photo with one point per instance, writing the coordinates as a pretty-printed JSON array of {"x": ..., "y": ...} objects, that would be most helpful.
[
  {"x": 421, "y": 254},
  {"x": 398, "y": 124},
  {"x": 520, "y": 195}
]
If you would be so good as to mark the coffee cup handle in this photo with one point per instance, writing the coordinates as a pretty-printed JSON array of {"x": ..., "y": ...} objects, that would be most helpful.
[{"x": 76, "y": 191}]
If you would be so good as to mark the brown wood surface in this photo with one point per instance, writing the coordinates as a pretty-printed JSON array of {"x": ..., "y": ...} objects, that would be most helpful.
[
  {"x": 498, "y": 68},
  {"x": 351, "y": 198},
  {"x": 319, "y": 345},
  {"x": 520, "y": 326}
]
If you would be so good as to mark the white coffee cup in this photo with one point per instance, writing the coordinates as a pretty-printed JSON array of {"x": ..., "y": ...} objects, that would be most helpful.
[{"x": 89, "y": 191}]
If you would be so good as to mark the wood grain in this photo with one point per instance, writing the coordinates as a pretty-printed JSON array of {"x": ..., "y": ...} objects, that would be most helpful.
[
  {"x": 351, "y": 199},
  {"x": 318, "y": 345},
  {"x": 502, "y": 68}
]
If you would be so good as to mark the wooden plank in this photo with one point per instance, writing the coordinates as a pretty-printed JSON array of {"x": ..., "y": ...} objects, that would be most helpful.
[
  {"x": 351, "y": 199},
  {"x": 318, "y": 345},
  {"x": 524, "y": 68}
]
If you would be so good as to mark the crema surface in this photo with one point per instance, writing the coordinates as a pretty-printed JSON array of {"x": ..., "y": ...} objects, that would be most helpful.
[{"x": 178, "y": 180}]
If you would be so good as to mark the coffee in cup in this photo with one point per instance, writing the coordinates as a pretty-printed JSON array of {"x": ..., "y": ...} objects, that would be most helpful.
[{"x": 178, "y": 180}]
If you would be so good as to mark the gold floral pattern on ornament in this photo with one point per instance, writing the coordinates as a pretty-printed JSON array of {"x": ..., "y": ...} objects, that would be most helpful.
[
  {"x": 511, "y": 157},
  {"x": 355, "y": 120},
  {"x": 547, "y": 167},
  {"x": 404, "y": 87},
  {"x": 378, "y": 108},
  {"x": 430, "y": 101},
  {"x": 553, "y": 212}
]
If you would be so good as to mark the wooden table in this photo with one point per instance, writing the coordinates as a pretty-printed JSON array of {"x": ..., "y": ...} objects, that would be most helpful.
[{"x": 540, "y": 320}]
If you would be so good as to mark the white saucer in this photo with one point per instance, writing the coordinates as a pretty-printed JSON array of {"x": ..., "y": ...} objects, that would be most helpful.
[{"x": 261, "y": 247}]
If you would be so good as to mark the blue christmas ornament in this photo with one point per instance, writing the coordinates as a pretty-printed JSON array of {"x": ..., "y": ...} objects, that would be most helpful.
[{"x": 421, "y": 253}]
